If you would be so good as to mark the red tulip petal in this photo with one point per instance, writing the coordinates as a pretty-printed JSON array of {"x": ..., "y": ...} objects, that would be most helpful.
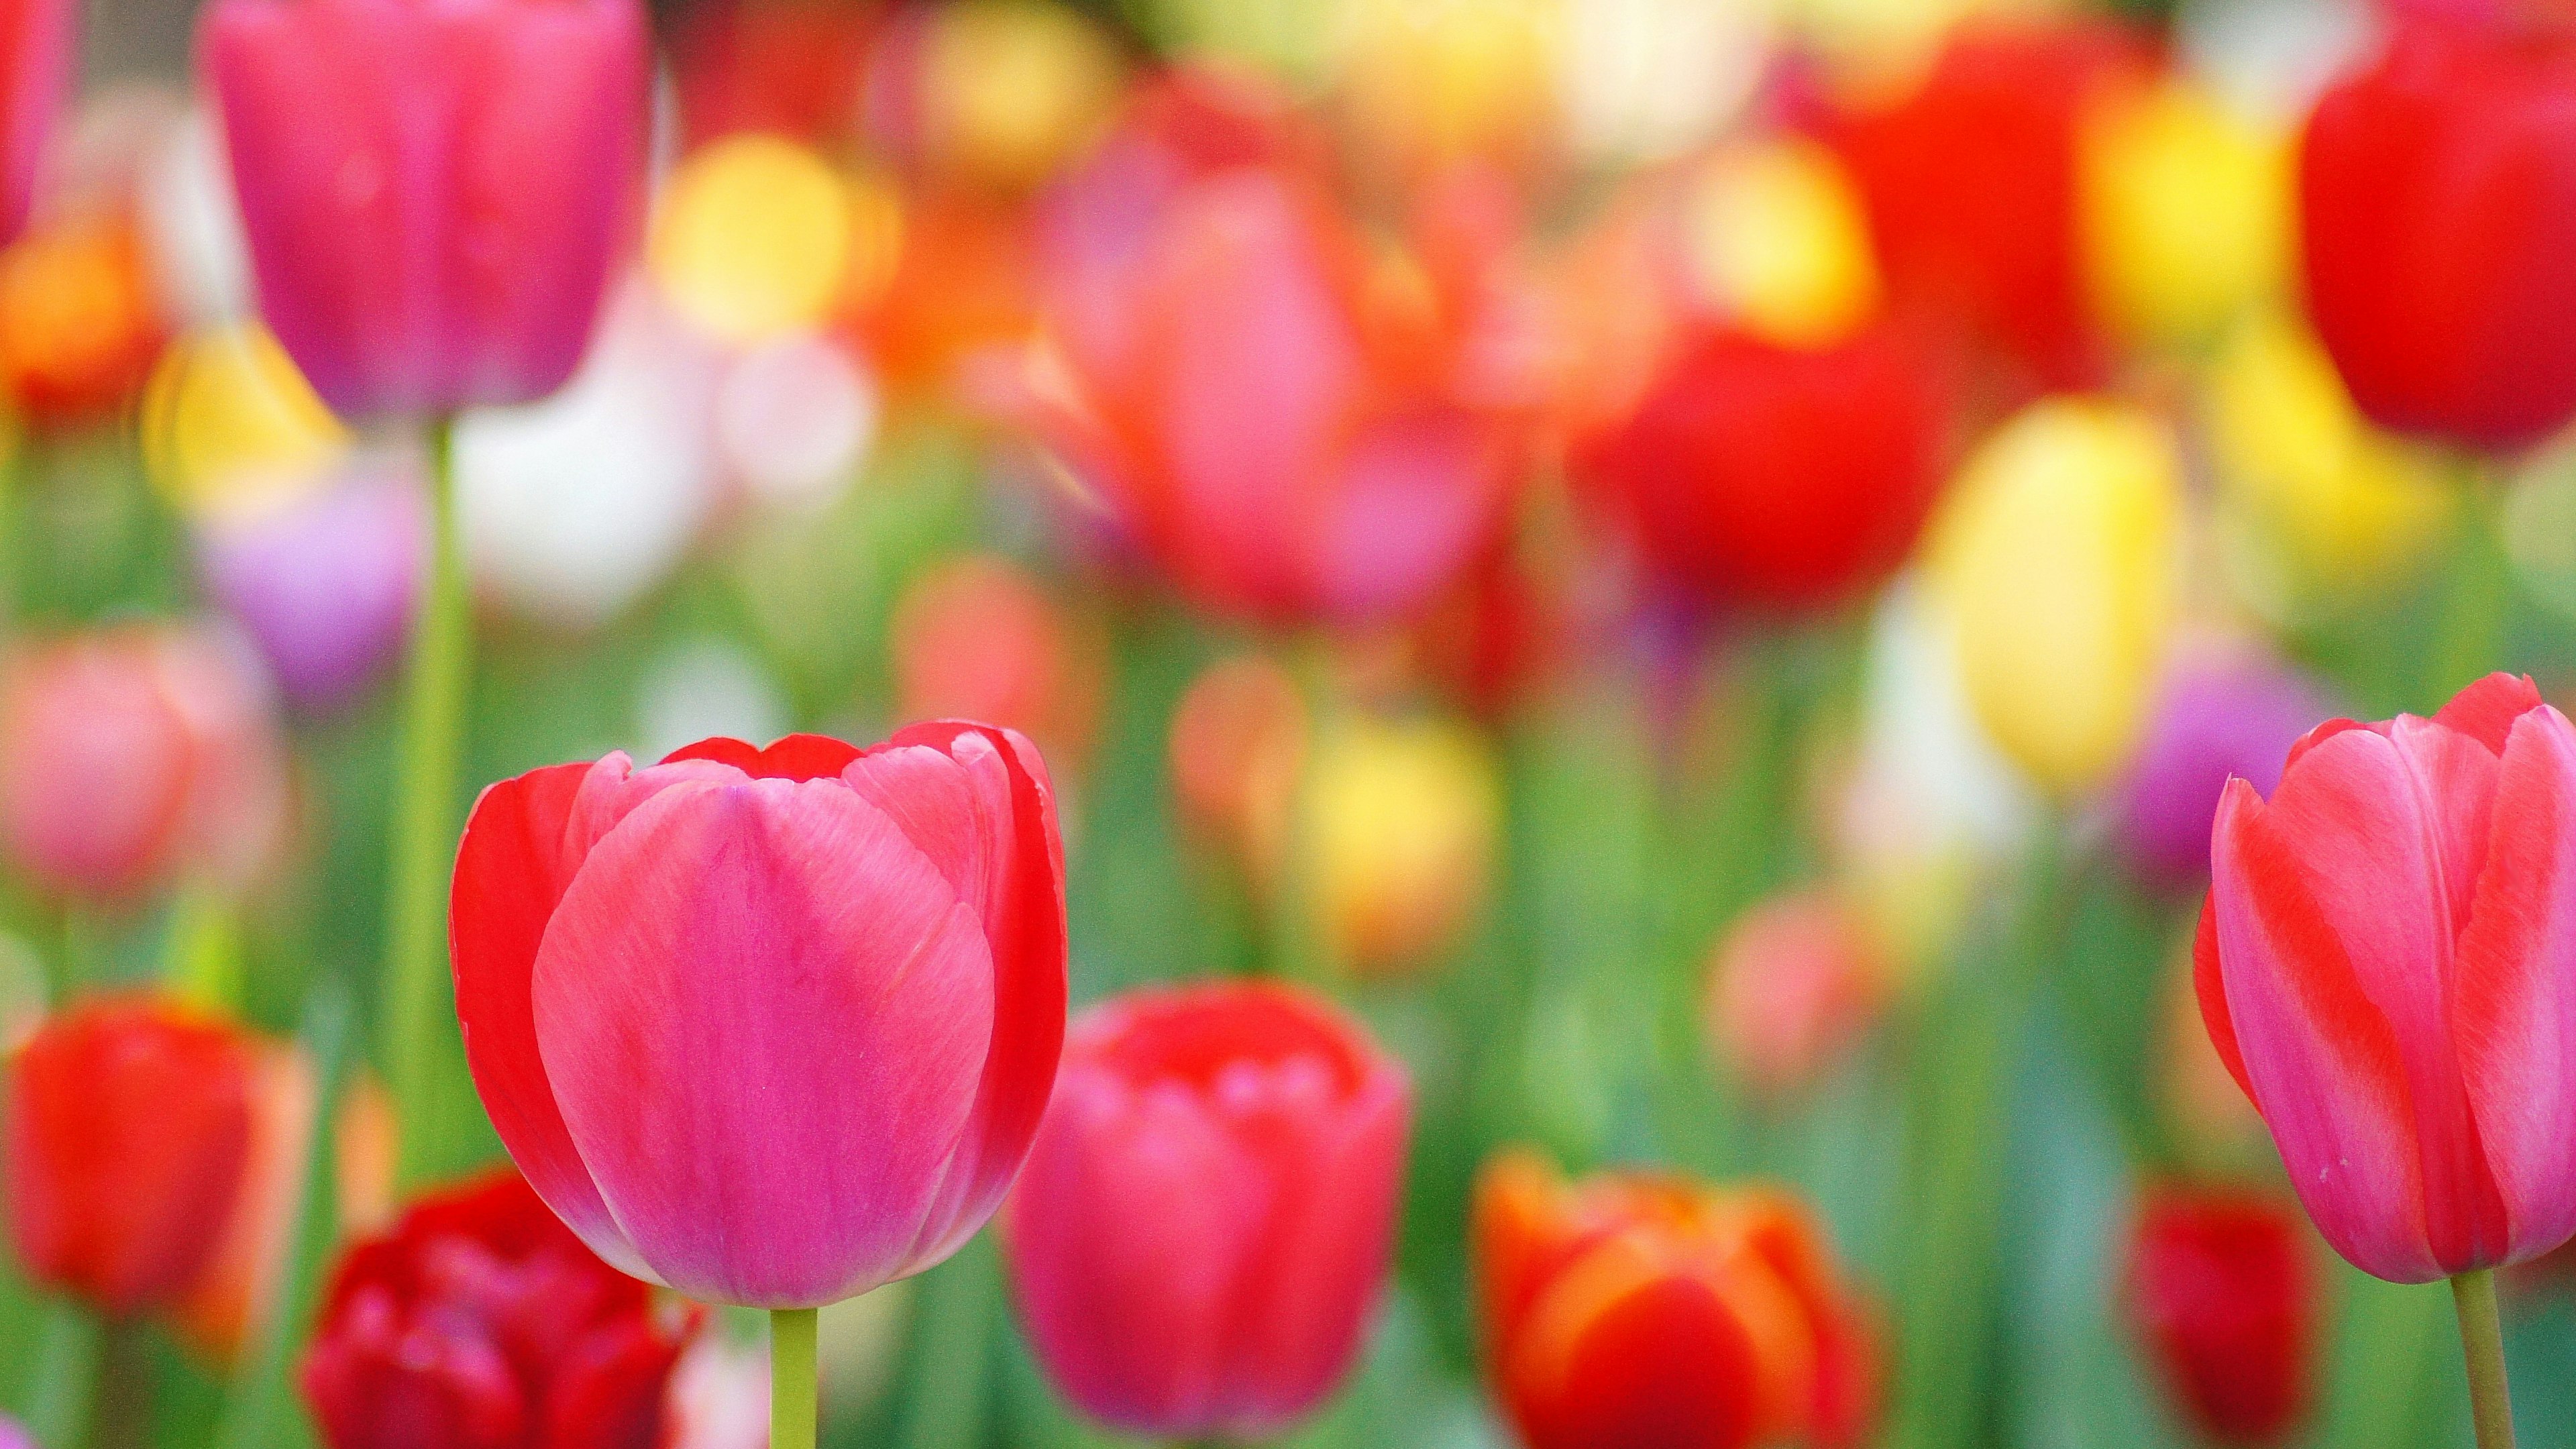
[
  {"x": 795, "y": 757},
  {"x": 1622, "y": 1352},
  {"x": 2210, "y": 985},
  {"x": 2320, "y": 735},
  {"x": 2515, "y": 1015},
  {"x": 764, "y": 1014},
  {"x": 511, "y": 870},
  {"x": 2486, "y": 710}
]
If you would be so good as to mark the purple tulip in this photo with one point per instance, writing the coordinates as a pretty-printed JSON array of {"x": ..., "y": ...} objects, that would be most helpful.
[
  {"x": 2224, "y": 709},
  {"x": 327, "y": 584}
]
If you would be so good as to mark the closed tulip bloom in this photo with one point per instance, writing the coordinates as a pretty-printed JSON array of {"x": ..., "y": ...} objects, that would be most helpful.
[
  {"x": 772, "y": 1027},
  {"x": 2058, "y": 559},
  {"x": 2224, "y": 711},
  {"x": 2437, "y": 187},
  {"x": 432, "y": 193},
  {"x": 478, "y": 1322},
  {"x": 1203, "y": 1226},
  {"x": 2224, "y": 1295},
  {"x": 2383, "y": 966},
  {"x": 129, "y": 1132},
  {"x": 1653, "y": 1312}
]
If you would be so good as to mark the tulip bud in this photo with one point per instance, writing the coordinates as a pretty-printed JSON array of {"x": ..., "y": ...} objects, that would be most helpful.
[
  {"x": 2225, "y": 1298},
  {"x": 129, "y": 1135},
  {"x": 1792, "y": 986},
  {"x": 1238, "y": 747},
  {"x": 977, "y": 638},
  {"x": 132, "y": 754},
  {"x": 1401, "y": 820},
  {"x": 2405, "y": 1049},
  {"x": 479, "y": 1321},
  {"x": 1203, "y": 1227},
  {"x": 892, "y": 917},
  {"x": 2058, "y": 559},
  {"x": 2437, "y": 190},
  {"x": 2184, "y": 210},
  {"x": 432, "y": 194},
  {"x": 1634, "y": 1309},
  {"x": 2223, "y": 711}
]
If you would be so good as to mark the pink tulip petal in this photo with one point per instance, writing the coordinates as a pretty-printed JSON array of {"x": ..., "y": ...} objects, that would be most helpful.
[
  {"x": 2516, "y": 1010},
  {"x": 510, "y": 872},
  {"x": 2210, "y": 985},
  {"x": 765, "y": 1015},
  {"x": 2486, "y": 710},
  {"x": 2323, "y": 1062},
  {"x": 2320, "y": 735}
]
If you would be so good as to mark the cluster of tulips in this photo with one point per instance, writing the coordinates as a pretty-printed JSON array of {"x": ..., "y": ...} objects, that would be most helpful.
[{"x": 1605, "y": 724}]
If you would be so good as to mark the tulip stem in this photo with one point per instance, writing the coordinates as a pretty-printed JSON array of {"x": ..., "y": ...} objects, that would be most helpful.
[
  {"x": 791, "y": 1378},
  {"x": 424, "y": 836},
  {"x": 66, "y": 1377},
  {"x": 2474, "y": 1295}
]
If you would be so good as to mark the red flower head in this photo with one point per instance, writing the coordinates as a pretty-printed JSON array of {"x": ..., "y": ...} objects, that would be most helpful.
[
  {"x": 2438, "y": 196},
  {"x": 2225, "y": 1297},
  {"x": 129, "y": 1134},
  {"x": 1204, "y": 1223},
  {"x": 1655, "y": 1313},
  {"x": 480, "y": 1322}
]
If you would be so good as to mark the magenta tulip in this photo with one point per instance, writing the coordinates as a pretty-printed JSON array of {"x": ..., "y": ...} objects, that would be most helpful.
[
  {"x": 433, "y": 192},
  {"x": 773, "y": 1027},
  {"x": 35, "y": 73},
  {"x": 2387, "y": 963},
  {"x": 1203, "y": 1225}
]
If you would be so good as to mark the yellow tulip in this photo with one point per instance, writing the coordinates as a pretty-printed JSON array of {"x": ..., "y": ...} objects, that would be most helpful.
[
  {"x": 1434, "y": 81},
  {"x": 1779, "y": 239},
  {"x": 1013, "y": 87},
  {"x": 2185, "y": 213},
  {"x": 2333, "y": 502},
  {"x": 1399, "y": 827},
  {"x": 754, "y": 237},
  {"x": 228, "y": 424},
  {"x": 2056, "y": 563}
]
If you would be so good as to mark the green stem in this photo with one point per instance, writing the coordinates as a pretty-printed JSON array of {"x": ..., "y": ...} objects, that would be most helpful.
[
  {"x": 2477, "y": 615},
  {"x": 791, "y": 1378},
  {"x": 2474, "y": 1295},
  {"x": 424, "y": 832},
  {"x": 58, "y": 1408}
]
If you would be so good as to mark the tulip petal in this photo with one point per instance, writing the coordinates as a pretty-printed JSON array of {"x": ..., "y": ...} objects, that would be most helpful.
[
  {"x": 793, "y": 757},
  {"x": 2323, "y": 1062},
  {"x": 2486, "y": 710},
  {"x": 1624, "y": 1350},
  {"x": 511, "y": 870},
  {"x": 2516, "y": 1010},
  {"x": 764, "y": 1014},
  {"x": 2210, "y": 985}
]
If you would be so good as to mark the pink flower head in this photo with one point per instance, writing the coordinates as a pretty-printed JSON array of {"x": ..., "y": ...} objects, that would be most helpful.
[
  {"x": 773, "y": 1027},
  {"x": 2387, "y": 964}
]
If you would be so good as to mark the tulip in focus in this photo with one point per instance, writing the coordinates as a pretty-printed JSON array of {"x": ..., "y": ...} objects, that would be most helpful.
[
  {"x": 133, "y": 754},
  {"x": 2058, "y": 559},
  {"x": 977, "y": 638},
  {"x": 1793, "y": 985},
  {"x": 2224, "y": 1295},
  {"x": 2225, "y": 711},
  {"x": 129, "y": 1134},
  {"x": 1401, "y": 820},
  {"x": 771, "y": 1027},
  {"x": 36, "y": 45},
  {"x": 1203, "y": 1227},
  {"x": 2437, "y": 187},
  {"x": 1656, "y": 1313},
  {"x": 433, "y": 194},
  {"x": 2382, "y": 966},
  {"x": 478, "y": 1322}
]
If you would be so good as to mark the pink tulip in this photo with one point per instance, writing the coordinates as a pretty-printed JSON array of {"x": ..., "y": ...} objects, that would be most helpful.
[
  {"x": 1204, "y": 1222},
  {"x": 433, "y": 190},
  {"x": 772, "y": 1027},
  {"x": 35, "y": 72},
  {"x": 2387, "y": 964}
]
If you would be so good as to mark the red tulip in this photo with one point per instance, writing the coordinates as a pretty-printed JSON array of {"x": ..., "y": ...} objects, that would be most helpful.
[
  {"x": 132, "y": 754},
  {"x": 1654, "y": 1313},
  {"x": 35, "y": 73},
  {"x": 479, "y": 1323},
  {"x": 1294, "y": 428},
  {"x": 1204, "y": 1223},
  {"x": 2438, "y": 196},
  {"x": 129, "y": 1134},
  {"x": 1971, "y": 186},
  {"x": 432, "y": 193},
  {"x": 2225, "y": 1298},
  {"x": 773, "y": 1027},
  {"x": 1776, "y": 477},
  {"x": 2387, "y": 964},
  {"x": 1793, "y": 985}
]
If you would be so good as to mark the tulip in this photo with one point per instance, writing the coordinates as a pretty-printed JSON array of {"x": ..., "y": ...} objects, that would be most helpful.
[
  {"x": 129, "y": 1132},
  {"x": 1777, "y": 477},
  {"x": 1793, "y": 984},
  {"x": 1204, "y": 1224},
  {"x": 2380, "y": 966},
  {"x": 326, "y": 585},
  {"x": 2184, "y": 213},
  {"x": 134, "y": 754},
  {"x": 2437, "y": 187},
  {"x": 752, "y": 238},
  {"x": 1400, "y": 826},
  {"x": 479, "y": 1323},
  {"x": 1294, "y": 430},
  {"x": 1657, "y": 1313},
  {"x": 755, "y": 65},
  {"x": 230, "y": 429},
  {"x": 977, "y": 638},
  {"x": 432, "y": 194},
  {"x": 80, "y": 319},
  {"x": 2223, "y": 712},
  {"x": 2058, "y": 559},
  {"x": 35, "y": 73},
  {"x": 2224, "y": 1295},
  {"x": 996, "y": 94},
  {"x": 1238, "y": 748}
]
